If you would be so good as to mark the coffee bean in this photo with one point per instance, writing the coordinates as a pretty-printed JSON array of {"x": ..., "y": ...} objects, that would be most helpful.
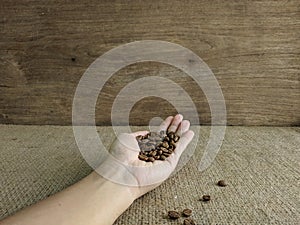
[
  {"x": 164, "y": 150},
  {"x": 173, "y": 215},
  {"x": 187, "y": 212},
  {"x": 139, "y": 137},
  {"x": 172, "y": 147},
  {"x": 170, "y": 151},
  {"x": 166, "y": 154},
  {"x": 156, "y": 157},
  {"x": 176, "y": 138},
  {"x": 153, "y": 153},
  {"x": 206, "y": 198},
  {"x": 222, "y": 183},
  {"x": 151, "y": 159},
  {"x": 162, "y": 157},
  {"x": 171, "y": 135},
  {"x": 189, "y": 221},
  {"x": 165, "y": 144},
  {"x": 160, "y": 152},
  {"x": 143, "y": 157},
  {"x": 172, "y": 143}
]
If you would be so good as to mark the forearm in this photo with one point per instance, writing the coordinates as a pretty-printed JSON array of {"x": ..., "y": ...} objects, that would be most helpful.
[{"x": 92, "y": 201}]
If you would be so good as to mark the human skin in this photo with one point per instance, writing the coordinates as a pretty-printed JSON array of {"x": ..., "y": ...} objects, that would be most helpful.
[{"x": 96, "y": 200}]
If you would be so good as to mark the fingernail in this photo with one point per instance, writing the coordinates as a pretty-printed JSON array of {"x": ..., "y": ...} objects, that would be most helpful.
[{"x": 179, "y": 115}]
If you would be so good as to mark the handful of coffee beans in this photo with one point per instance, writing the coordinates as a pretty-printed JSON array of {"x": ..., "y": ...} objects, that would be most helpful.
[{"x": 157, "y": 146}]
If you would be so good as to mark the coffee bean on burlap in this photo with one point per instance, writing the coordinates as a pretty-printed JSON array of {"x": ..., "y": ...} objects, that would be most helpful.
[{"x": 173, "y": 215}]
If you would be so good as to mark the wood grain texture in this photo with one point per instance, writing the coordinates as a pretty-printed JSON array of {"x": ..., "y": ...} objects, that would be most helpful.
[{"x": 253, "y": 48}]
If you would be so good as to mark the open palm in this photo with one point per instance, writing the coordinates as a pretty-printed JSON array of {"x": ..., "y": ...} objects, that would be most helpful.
[{"x": 149, "y": 175}]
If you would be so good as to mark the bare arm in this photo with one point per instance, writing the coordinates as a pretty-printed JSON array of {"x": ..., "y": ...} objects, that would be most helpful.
[{"x": 93, "y": 200}]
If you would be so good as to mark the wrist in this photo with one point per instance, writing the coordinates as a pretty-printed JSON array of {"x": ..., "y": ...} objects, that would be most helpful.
[{"x": 115, "y": 198}]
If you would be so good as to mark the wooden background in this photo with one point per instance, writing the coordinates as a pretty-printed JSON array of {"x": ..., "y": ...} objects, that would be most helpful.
[{"x": 253, "y": 48}]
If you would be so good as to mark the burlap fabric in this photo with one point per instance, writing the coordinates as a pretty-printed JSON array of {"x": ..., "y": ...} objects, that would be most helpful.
[{"x": 260, "y": 165}]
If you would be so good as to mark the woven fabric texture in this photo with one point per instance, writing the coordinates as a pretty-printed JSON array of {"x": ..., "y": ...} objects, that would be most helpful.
[{"x": 260, "y": 165}]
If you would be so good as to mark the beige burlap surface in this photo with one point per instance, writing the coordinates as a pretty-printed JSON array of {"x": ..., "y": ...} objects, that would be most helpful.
[{"x": 260, "y": 165}]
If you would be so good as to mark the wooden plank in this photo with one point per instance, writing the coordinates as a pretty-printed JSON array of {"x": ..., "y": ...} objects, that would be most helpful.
[{"x": 251, "y": 46}]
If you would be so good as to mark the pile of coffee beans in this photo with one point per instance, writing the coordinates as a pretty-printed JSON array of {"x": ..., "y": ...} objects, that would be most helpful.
[
  {"x": 174, "y": 215},
  {"x": 157, "y": 146}
]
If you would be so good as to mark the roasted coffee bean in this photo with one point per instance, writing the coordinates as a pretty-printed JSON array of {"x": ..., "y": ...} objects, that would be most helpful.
[
  {"x": 153, "y": 153},
  {"x": 164, "y": 150},
  {"x": 151, "y": 159},
  {"x": 222, "y": 183},
  {"x": 162, "y": 157},
  {"x": 189, "y": 221},
  {"x": 165, "y": 144},
  {"x": 167, "y": 139},
  {"x": 176, "y": 138},
  {"x": 146, "y": 153},
  {"x": 170, "y": 151},
  {"x": 139, "y": 137},
  {"x": 171, "y": 135},
  {"x": 172, "y": 142},
  {"x": 173, "y": 215},
  {"x": 160, "y": 152},
  {"x": 143, "y": 157},
  {"x": 172, "y": 147},
  {"x": 157, "y": 157},
  {"x": 206, "y": 198},
  {"x": 187, "y": 212}
]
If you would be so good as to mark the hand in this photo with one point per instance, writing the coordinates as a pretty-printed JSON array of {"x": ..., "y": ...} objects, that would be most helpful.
[{"x": 144, "y": 176}]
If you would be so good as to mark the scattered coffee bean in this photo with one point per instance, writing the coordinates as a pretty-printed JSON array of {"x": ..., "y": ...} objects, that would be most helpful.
[
  {"x": 156, "y": 146},
  {"x": 222, "y": 183},
  {"x": 206, "y": 198},
  {"x": 188, "y": 221},
  {"x": 173, "y": 215},
  {"x": 187, "y": 212}
]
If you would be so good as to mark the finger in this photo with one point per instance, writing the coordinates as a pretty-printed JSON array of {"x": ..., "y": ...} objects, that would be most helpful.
[
  {"x": 165, "y": 124},
  {"x": 183, "y": 127},
  {"x": 175, "y": 123},
  {"x": 143, "y": 133},
  {"x": 183, "y": 142}
]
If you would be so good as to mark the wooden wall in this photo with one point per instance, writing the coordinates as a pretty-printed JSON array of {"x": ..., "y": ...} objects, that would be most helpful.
[{"x": 253, "y": 48}]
